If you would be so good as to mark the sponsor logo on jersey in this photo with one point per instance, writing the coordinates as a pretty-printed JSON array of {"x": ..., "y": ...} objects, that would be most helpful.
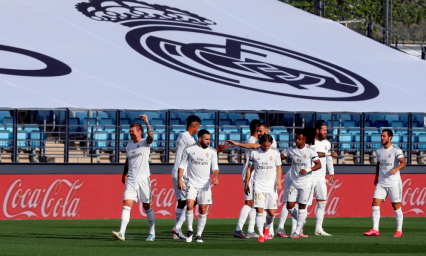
[
  {"x": 384, "y": 163},
  {"x": 226, "y": 59}
]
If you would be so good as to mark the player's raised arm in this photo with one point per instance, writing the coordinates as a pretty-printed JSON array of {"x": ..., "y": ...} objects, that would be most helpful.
[
  {"x": 243, "y": 145},
  {"x": 125, "y": 171},
  {"x": 149, "y": 131},
  {"x": 182, "y": 165}
]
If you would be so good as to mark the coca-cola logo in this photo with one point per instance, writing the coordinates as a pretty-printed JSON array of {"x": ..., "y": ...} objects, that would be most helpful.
[
  {"x": 57, "y": 200},
  {"x": 164, "y": 201},
  {"x": 412, "y": 197}
]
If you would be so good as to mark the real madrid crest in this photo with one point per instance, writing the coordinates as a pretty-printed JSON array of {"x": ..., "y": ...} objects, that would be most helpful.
[
  {"x": 325, "y": 147},
  {"x": 304, "y": 155},
  {"x": 389, "y": 155},
  {"x": 207, "y": 154},
  {"x": 270, "y": 158}
]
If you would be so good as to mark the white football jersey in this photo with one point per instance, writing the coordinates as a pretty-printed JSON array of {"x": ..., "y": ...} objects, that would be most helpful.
[
  {"x": 388, "y": 159},
  {"x": 323, "y": 146},
  {"x": 184, "y": 140},
  {"x": 300, "y": 159},
  {"x": 250, "y": 140},
  {"x": 138, "y": 156},
  {"x": 265, "y": 169},
  {"x": 198, "y": 162}
]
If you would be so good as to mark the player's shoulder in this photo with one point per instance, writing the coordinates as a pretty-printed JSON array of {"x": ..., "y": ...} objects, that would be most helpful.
[
  {"x": 212, "y": 149},
  {"x": 380, "y": 148},
  {"x": 275, "y": 150},
  {"x": 251, "y": 140},
  {"x": 395, "y": 147},
  {"x": 191, "y": 146}
]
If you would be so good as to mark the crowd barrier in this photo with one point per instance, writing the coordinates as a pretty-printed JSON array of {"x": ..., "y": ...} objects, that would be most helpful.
[{"x": 99, "y": 196}]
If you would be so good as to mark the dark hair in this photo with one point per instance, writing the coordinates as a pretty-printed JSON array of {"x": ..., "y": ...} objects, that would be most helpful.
[
  {"x": 136, "y": 125},
  {"x": 264, "y": 125},
  {"x": 310, "y": 134},
  {"x": 300, "y": 132},
  {"x": 192, "y": 119},
  {"x": 254, "y": 125},
  {"x": 265, "y": 138},
  {"x": 319, "y": 124},
  {"x": 389, "y": 132},
  {"x": 202, "y": 132}
]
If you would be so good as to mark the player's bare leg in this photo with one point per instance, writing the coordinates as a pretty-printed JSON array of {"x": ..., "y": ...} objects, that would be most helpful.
[
  {"x": 399, "y": 219},
  {"x": 245, "y": 212},
  {"x": 125, "y": 218},
  {"x": 376, "y": 218}
]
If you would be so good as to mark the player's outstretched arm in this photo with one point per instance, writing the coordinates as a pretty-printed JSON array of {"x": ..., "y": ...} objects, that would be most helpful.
[
  {"x": 321, "y": 154},
  {"x": 149, "y": 130},
  {"x": 222, "y": 147},
  {"x": 401, "y": 166},
  {"x": 243, "y": 145},
  {"x": 125, "y": 171}
]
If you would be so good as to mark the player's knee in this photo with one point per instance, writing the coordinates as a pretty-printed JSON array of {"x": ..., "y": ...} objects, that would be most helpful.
[
  {"x": 146, "y": 207},
  {"x": 181, "y": 204},
  {"x": 249, "y": 203}
]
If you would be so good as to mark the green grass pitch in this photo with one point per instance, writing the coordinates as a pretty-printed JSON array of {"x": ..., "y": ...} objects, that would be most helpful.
[{"x": 93, "y": 237}]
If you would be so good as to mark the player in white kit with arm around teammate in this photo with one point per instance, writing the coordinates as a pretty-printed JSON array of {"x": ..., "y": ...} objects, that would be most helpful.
[
  {"x": 136, "y": 178},
  {"x": 390, "y": 161},
  {"x": 322, "y": 146},
  {"x": 198, "y": 159},
  {"x": 265, "y": 167}
]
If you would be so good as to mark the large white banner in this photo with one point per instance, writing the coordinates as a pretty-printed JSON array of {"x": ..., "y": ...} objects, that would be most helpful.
[{"x": 196, "y": 54}]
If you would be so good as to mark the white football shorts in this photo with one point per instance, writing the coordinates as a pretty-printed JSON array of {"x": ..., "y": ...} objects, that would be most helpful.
[
  {"x": 138, "y": 190},
  {"x": 180, "y": 194},
  {"x": 287, "y": 184},
  {"x": 320, "y": 190},
  {"x": 300, "y": 194},
  {"x": 202, "y": 195},
  {"x": 394, "y": 193},
  {"x": 265, "y": 200},
  {"x": 250, "y": 194}
]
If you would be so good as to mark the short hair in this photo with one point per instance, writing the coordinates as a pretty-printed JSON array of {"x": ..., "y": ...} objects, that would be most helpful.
[
  {"x": 136, "y": 125},
  {"x": 192, "y": 119},
  {"x": 389, "y": 132},
  {"x": 254, "y": 125},
  {"x": 265, "y": 138},
  {"x": 319, "y": 124},
  {"x": 310, "y": 134},
  {"x": 264, "y": 125},
  {"x": 300, "y": 132},
  {"x": 202, "y": 132}
]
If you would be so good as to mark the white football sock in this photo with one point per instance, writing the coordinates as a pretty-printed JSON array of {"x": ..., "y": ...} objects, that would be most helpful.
[
  {"x": 271, "y": 226},
  {"x": 151, "y": 219},
  {"x": 260, "y": 221},
  {"x": 376, "y": 217},
  {"x": 283, "y": 217},
  {"x": 202, "y": 219},
  {"x": 301, "y": 220},
  {"x": 269, "y": 220},
  {"x": 125, "y": 218},
  {"x": 177, "y": 215},
  {"x": 399, "y": 219},
  {"x": 251, "y": 220},
  {"x": 320, "y": 215},
  {"x": 243, "y": 217},
  {"x": 181, "y": 219},
  {"x": 189, "y": 219},
  {"x": 294, "y": 219}
]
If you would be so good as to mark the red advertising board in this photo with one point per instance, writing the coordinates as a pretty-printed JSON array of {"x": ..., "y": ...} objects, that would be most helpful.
[{"x": 98, "y": 196}]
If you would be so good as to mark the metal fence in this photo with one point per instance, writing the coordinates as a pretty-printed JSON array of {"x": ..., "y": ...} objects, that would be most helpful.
[{"x": 100, "y": 135}]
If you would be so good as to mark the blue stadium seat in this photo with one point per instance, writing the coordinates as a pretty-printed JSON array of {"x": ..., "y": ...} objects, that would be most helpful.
[
  {"x": 374, "y": 118},
  {"x": 87, "y": 128},
  {"x": 375, "y": 140},
  {"x": 345, "y": 137},
  {"x": 234, "y": 116},
  {"x": 415, "y": 124},
  {"x": 368, "y": 123},
  {"x": 392, "y": 118},
  {"x": 106, "y": 121},
  {"x": 204, "y": 115},
  {"x": 22, "y": 138},
  {"x": 174, "y": 121},
  {"x": 396, "y": 124},
  {"x": 101, "y": 115},
  {"x": 335, "y": 124},
  {"x": 422, "y": 141},
  {"x": 132, "y": 115},
  {"x": 282, "y": 136},
  {"x": 381, "y": 124},
  {"x": 223, "y": 115},
  {"x": 157, "y": 121},
  {"x": 111, "y": 135},
  {"x": 183, "y": 116},
  {"x": 349, "y": 123},
  {"x": 151, "y": 115},
  {"x": 4, "y": 114},
  {"x": 223, "y": 122},
  {"x": 396, "y": 139},
  {"x": 81, "y": 116},
  {"x": 250, "y": 117},
  {"x": 241, "y": 122},
  {"x": 124, "y": 121},
  {"x": 159, "y": 135},
  {"x": 34, "y": 136},
  {"x": 207, "y": 122},
  {"x": 324, "y": 117},
  {"x": 74, "y": 126},
  {"x": 246, "y": 133},
  {"x": 357, "y": 138},
  {"x": 174, "y": 133},
  {"x": 345, "y": 117},
  {"x": 8, "y": 123},
  {"x": 4, "y": 138},
  {"x": 405, "y": 141},
  {"x": 124, "y": 136},
  {"x": 232, "y": 133},
  {"x": 100, "y": 140}
]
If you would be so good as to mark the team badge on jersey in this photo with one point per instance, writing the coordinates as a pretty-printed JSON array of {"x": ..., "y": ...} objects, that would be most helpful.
[
  {"x": 389, "y": 155},
  {"x": 207, "y": 154},
  {"x": 325, "y": 147},
  {"x": 304, "y": 155},
  {"x": 270, "y": 158}
]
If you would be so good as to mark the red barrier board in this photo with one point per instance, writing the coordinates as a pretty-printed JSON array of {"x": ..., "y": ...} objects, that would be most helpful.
[{"x": 98, "y": 196}]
